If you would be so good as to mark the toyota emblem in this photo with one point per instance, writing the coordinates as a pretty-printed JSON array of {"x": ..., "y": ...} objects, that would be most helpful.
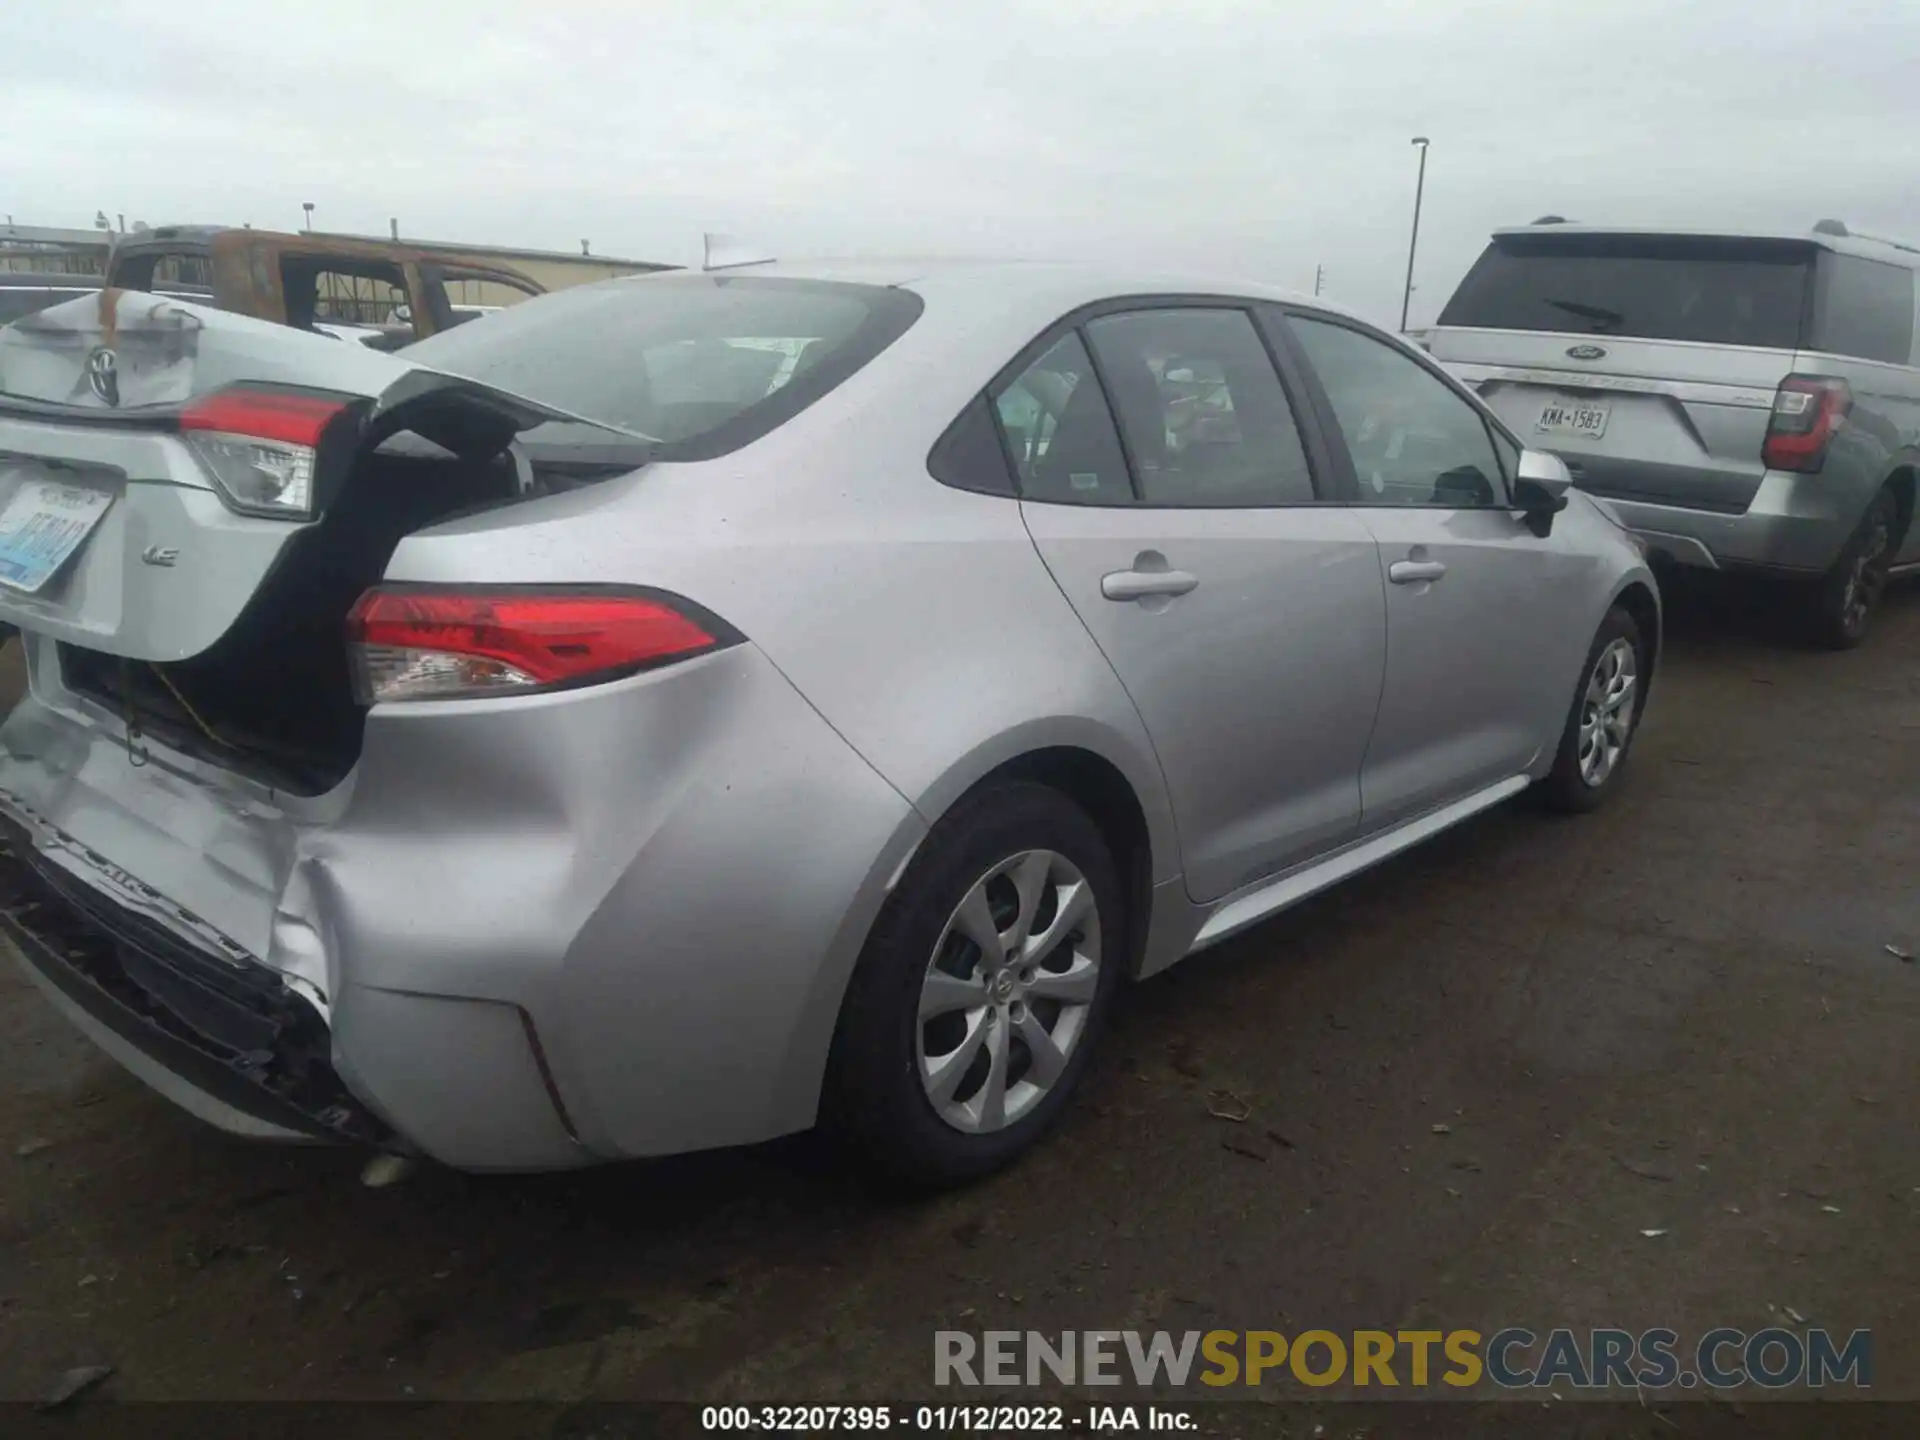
[{"x": 103, "y": 374}]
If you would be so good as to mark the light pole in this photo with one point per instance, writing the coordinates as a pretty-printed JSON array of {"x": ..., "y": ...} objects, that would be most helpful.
[
  {"x": 307, "y": 205},
  {"x": 1419, "y": 189}
]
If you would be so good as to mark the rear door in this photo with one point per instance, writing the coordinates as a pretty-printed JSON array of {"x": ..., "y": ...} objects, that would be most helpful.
[
  {"x": 1648, "y": 362},
  {"x": 1481, "y": 613},
  {"x": 1169, "y": 491},
  {"x": 323, "y": 289}
]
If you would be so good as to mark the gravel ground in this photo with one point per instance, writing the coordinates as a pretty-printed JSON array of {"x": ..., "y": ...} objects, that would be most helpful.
[{"x": 1680, "y": 1015}]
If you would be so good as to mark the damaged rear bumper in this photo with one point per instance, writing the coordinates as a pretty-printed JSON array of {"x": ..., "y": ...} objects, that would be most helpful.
[
  {"x": 229, "y": 1041},
  {"x": 490, "y": 943}
]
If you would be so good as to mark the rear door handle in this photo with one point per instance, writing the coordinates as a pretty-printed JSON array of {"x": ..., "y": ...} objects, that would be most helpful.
[
  {"x": 1140, "y": 584},
  {"x": 1408, "y": 572}
]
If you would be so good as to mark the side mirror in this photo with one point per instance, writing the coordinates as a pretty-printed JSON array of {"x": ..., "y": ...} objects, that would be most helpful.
[{"x": 1540, "y": 490}]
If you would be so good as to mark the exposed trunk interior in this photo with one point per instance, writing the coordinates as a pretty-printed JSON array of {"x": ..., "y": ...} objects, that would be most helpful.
[{"x": 273, "y": 698}]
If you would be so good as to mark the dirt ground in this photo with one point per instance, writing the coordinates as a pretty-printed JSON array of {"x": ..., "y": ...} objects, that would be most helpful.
[{"x": 1680, "y": 1015}]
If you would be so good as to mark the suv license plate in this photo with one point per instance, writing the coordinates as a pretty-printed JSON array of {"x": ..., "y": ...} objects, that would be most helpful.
[{"x": 1584, "y": 419}]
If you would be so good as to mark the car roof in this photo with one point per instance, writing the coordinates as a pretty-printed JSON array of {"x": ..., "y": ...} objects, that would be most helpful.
[
  {"x": 1570, "y": 227},
  {"x": 175, "y": 234},
  {"x": 1056, "y": 286},
  {"x": 1872, "y": 247}
]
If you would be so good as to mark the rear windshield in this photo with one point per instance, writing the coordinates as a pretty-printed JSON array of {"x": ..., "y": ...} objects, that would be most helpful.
[
  {"x": 700, "y": 363},
  {"x": 1717, "y": 291}
]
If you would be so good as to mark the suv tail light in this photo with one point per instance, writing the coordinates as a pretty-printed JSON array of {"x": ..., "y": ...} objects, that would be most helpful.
[
  {"x": 261, "y": 447},
  {"x": 432, "y": 643},
  {"x": 1808, "y": 410}
]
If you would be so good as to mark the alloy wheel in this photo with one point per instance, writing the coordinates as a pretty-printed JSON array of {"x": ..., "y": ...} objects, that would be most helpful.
[
  {"x": 1866, "y": 577},
  {"x": 1607, "y": 711},
  {"x": 1008, "y": 991}
]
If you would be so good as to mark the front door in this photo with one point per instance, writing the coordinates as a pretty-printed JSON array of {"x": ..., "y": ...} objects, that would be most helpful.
[
  {"x": 1478, "y": 607},
  {"x": 1242, "y": 612}
]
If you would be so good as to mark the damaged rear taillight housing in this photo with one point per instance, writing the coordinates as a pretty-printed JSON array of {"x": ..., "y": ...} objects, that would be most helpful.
[
  {"x": 264, "y": 447},
  {"x": 419, "y": 642}
]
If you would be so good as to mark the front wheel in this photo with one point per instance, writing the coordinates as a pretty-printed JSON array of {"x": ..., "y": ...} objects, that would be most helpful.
[
  {"x": 972, "y": 1013},
  {"x": 1600, "y": 726},
  {"x": 1847, "y": 596}
]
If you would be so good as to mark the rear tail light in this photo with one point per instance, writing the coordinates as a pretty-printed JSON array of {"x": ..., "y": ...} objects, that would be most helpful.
[
  {"x": 1808, "y": 411},
  {"x": 261, "y": 447},
  {"x": 421, "y": 643}
]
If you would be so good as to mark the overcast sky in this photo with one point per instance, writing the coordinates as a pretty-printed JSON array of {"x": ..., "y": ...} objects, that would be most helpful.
[{"x": 1258, "y": 139}]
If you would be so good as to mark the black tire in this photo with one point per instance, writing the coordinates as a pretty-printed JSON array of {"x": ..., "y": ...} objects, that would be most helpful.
[
  {"x": 1846, "y": 598},
  {"x": 875, "y": 1104},
  {"x": 1567, "y": 788}
]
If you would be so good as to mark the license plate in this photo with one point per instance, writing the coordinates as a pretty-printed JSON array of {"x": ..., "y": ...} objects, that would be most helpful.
[
  {"x": 41, "y": 527},
  {"x": 1584, "y": 419}
]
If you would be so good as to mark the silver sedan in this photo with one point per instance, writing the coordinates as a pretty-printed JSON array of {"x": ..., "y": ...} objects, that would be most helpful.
[{"x": 680, "y": 711}]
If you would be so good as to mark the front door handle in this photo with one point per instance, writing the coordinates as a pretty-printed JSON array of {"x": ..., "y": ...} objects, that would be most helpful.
[
  {"x": 1409, "y": 572},
  {"x": 1142, "y": 584}
]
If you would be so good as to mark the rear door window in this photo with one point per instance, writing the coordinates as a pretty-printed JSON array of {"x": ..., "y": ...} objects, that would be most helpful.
[
  {"x": 1864, "y": 309},
  {"x": 1706, "y": 289},
  {"x": 1060, "y": 431},
  {"x": 1206, "y": 421},
  {"x": 342, "y": 293}
]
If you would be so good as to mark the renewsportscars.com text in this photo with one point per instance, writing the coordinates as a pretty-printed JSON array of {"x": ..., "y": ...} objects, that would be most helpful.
[{"x": 1512, "y": 1358}]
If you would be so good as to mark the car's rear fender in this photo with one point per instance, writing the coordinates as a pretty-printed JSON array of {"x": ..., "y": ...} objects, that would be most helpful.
[
  {"x": 524, "y": 921},
  {"x": 670, "y": 876}
]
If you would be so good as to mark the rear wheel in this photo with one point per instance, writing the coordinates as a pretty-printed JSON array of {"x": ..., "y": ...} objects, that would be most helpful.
[
  {"x": 973, "y": 1011},
  {"x": 1847, "y": 597},
  {"x": 1601, "y": 724}
]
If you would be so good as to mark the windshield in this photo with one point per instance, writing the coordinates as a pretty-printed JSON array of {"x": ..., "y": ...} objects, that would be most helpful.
[
  {"x": 1711, "y": 290},
  {"x": 701, "y": 363}
]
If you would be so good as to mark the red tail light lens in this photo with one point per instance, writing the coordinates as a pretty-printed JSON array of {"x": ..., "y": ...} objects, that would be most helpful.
[
  {"x": 411, "y": 643},
  {"x": 1808, "y": 411},
  {"x": 261, "y": 447},
  {"x": 283, "y": 415}
]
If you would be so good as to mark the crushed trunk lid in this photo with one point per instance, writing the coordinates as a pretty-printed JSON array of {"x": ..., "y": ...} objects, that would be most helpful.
[{"x": 121, "y": 528}]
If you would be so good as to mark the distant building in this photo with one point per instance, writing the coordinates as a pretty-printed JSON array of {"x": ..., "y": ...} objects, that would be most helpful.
[
  {"x": 52, "y": 250},
  {"x": 45, "y": 249}
]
